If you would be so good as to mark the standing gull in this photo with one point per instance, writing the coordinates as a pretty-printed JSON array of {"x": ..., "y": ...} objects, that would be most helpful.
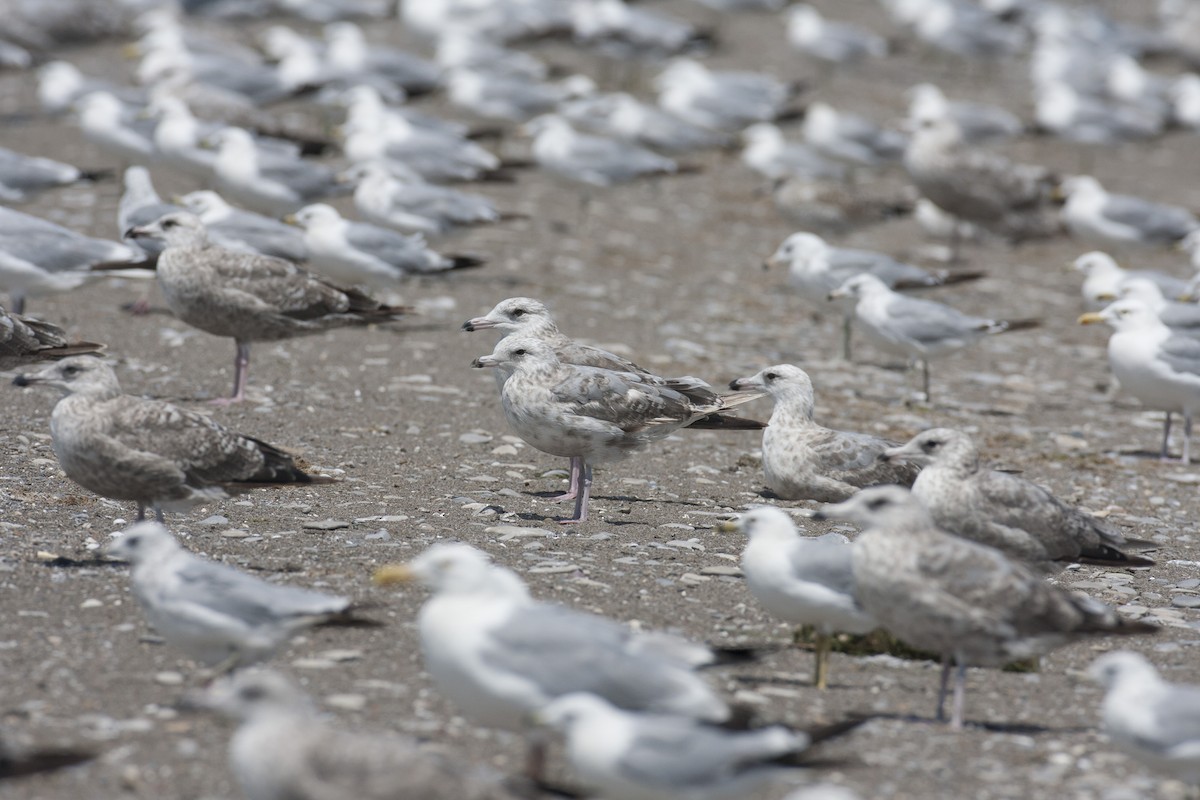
[
  {"x": 218, "y": 615},
  {"x": 1178, "y": 316},
  {"x": 1017, "y": 517},
  {"x": 968, "y": 602},
  {"x": 150, "y": 452},
  {"x": 597, "y": 160},
  {"x": 915, "y": 328},
  {"x": 1158, "y": 366},
  {"x": 140, "y": 205},
  {"x": 802, "y": 580},
  {"x": 238, "y": 229},
  {"x": 25, "y": 340},
  {"x": 1093, "y": 213},
  {"x": 592, "y": 413},
  {"x": 806, "y": 461},
  {"x": 22, "y": 176},
  {"x": 248, "y": 297},
  {"x": 387, "y": 193},
  {"x": 1104, "y": 279},
  {"x": 284, "y": 748},
  {"x": 1156, "y": 722}
]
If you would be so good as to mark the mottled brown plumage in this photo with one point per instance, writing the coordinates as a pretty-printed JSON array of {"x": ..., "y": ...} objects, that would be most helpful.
[{"x": 24, "y": 340}]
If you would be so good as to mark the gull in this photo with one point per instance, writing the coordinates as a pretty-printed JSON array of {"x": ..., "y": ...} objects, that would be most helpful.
[
  {"x": 22, "y": 176},
  {"x": 359, "y": 253},
  {"x": 434, "y": 155},
  {"x": 1069, "y": 114},
  {"x": 977, "y": 122},
  {"x": 720, "y": 100},
  {"x": 967, "y": 30},
  {"x": 461, "y": 48},
  {"x": 364, "y": 104},
  {"x": 915, "y": 328},
  {"x": 623, "y": 116},
  {"x": 388, "y": 193},
  {"x": 349, "y": 53},
  {"x": 269, "y": 182},
  {"x": 238, "y": 229},
  {"x": 1179, "y": 317},
  {"x": 284, "y": 748},
  {"x": 850, "y": 137},
  {"x": 1104, "y": 279},
  {"x": 965, "y": 601},
  {"x": 816, "y": 268},
  {"x": 19, "y": 760},
  {"x": 939, "y": 224},
  {"x": 140, "y": 205},
  {"x": 595, "y": 160},
  {"x": 218, "y": 615},
  {"x": 526, "y": 317},
  {"x": 511, "y": 97},
  {"x": 1129, "y": 84},
  {"x": 836, "y": 207},
  {"x": 591, "y": 413},
  {"x": 631, "y": 31},
  {"x": 1008, "y": 199},
  {"x": 499, "y": 655},
  {"x": 1156, "y": 722},
  {"x": 258, "y": 82},
  {"x": 802, "y": 580},
  {"x": 115, "y": 128},
  {"x": 246, "y": 296},
  {"x": 743, "y": 5},
  {"x": 497, "y": 20},
  {"x": 178, "y": 135},
  {"x": 1158, "y": 366},
  {"x": 803, "y": 460},
  {"x": 1021, "y": 519},
  {"x": 768, "y": 153},
  {"x": 147, "y": 451},
  {"x": 620, "y": 754},
  {"x": 1093, "y": 213},
  {"x": 25, "y": 340},
  {"x": 61, "y": 83},
  {"x": 1185, "y": 101},
  {"x": 830, "y": 41}
]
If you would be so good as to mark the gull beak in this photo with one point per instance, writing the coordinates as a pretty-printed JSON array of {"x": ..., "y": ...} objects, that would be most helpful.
[
  {"x": 393, "y": 574},
  {"x": 1058, "y": 194},
  {"x": 1090, "y": 317},
  {"x": 837, "y": 294},
  {"x": 207, "y": 143},
  {"x": 131, "y": 51},
  {"x": 820, "y": 516},
  {"x": 290, "y": 219},
  {"x": 1106, "y": 297},
  {"x": 770, "y": 262},
  {"x": 478, "y": 324},
  {"x": 484, "y": 361},
  {"x": 25, "y": 380},
  {"x": 1186, "y": 297},
  {"x": 729, "y": 526},
  {"x": 135, "y": 233},
  {"x": 339, "y": 133}
]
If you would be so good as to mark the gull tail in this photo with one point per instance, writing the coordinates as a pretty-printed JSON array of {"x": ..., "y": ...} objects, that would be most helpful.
[
  {"x": 74, "y": 349},
  {"x": 947, "y": 277},
  {"x": 803, "y": 757},
  {"x": 16, "y": 765},
  {"x": 465, "y": 262},
  {"x": 94, "y": 175},
  {"x": 1105, "y": 556},
  {"x": 349, "y": 618},
  {"x": 1008, "y": 325},
  {"x": 726, "y": 422}
]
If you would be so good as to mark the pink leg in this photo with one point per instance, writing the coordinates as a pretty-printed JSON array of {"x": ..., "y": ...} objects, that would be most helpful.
[
  {"x": 572, "y": 489},
  {"x": 241, "y": 366},
  {"x": 581, "y": 499}
]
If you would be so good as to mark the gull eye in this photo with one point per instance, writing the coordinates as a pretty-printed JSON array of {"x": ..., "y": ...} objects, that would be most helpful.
[
  {"x": 770, "y": 376},
  {"x": 252, "y": 693},
  {"x": 521, "y": 352},
  {"x": 877, "y": 503},
  {"x": 931, "y": 445},
  {"x": 169, "y": 223},
  {"x": 132, "y": 542},
  {"x": 519, "y": 312}
]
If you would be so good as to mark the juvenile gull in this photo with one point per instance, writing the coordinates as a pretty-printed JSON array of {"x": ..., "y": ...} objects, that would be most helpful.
[
  {"x": 284, "y": 748},
  {"x": 816, "y": 268},
  {"x": 770, "y": 154},
  {"x": 720, "y": 100},
  {"x": 269, "y": 182},
  {"x": 591, "y": 413},
  {"x": 1093, "y": 213},
  {"x": 802, "y": 580},
  {"x": 831, "y": 41},
  {"x": 915, "y": 328},
  {"x": 1017, "y": 517},
  {"x": 803, "y": 460},
  {"x": 25, "y": 340},
  {"x": 147, "y": 451},
  {"x": 359, "y": 253},
  {"x": 1158, "y": 366},
  {"x": 1104, "y": 279},
  {"x": 597, "y": 160},
  {"x": 22, "y": 176},
  {"x": 837, "y": 207},
  {"x": 238, "y": 229},
  {"x": 966, "y": 601},
  {"x": 246, "y": 296},
  {"x": 1156, "y": 722},
  {"x": 394, "y": 195},
  {"x": 218, "y": 615},
  {"x": 499, "y": 655},
  {"x": 977, "y": 122},
  {"x": 623, "y": 116},
  {"x": 850, "y": 137}
]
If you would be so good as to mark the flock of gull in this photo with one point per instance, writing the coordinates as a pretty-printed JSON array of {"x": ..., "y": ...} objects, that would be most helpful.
[{"x": 954, "y": 558}]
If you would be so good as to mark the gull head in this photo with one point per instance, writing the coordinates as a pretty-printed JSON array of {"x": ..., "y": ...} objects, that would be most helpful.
[
  {"x": 204, "y": 202},
  {"x": 547, "y": 125},
  {"x": 516, "y": 315},
  {"x": 235, "y": 141},
  {"x": 933, "y": 445},
  {"x": 681, "y": 72},
  {"x": 1083, "y": 186},
  {"x": 85, "y": 375},
  {"x": 1142, "y": 290},
  {"x": 798, "y": 251},
  {"x": 313, "y": 216},
  {"x": 765, "y": 522},
  {"x": 877, "y": 507},
  {"x": 762, "y": 133},
  {"x": 1096, "y": 263},
  {"x": 137, "y": 177},
  {"x": 1117, "y": 667},
  {"x": 782, "y": 382},
  {"x": 451, "y": 567},
  {"x": 252, "y": 693},
  {"x": 926, "y": 102},
  {"x": 142, "y": 542},
  {"x": 805, "y": 23},
  {"x": 1124, "y": 315},
  {"x": 58, "y": 83},
  {"x": 177, "y": 229},
  {"x": 564, "y": 713},
  {"x": 862, "y": 285},
  {"x": 935, "y": 133},
  {"x": 99, "y": 109},
  {"x": 513, "y": 352}
]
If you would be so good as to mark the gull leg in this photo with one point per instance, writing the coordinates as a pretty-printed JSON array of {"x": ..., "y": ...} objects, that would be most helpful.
[
  {"x": 925, "y": 379},
  {"x": 581, "y": 500},
  {"x": 141, "y": 512},
  {"x": 821, "y": 665},
  {"x": 241, "y": 365},
  {"x": 1165, "y": 453},
  {"x": 846, "y": 337},
  {"x": 572, "y": 484},
  {"x": 960, "y": 692},
  {"x": 158, "y": 514},
  {"x": 535, "y": 758},
  {"x": 943, "y": 685},
  {"x": 16, "y": 302},
  {"x": 1187, "y": 437}
]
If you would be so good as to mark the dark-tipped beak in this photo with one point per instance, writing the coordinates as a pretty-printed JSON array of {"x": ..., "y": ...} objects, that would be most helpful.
[
  {"x": 134, "y": 233},
  {"x": 737, "y": 383},
  {"x": 23, "y": 380},
  {"x": 820, "y": 516},
  {"x": 482, "y": 362},
  {"x": 478, "y": 324},
  {"x": 884, "y": 457}
]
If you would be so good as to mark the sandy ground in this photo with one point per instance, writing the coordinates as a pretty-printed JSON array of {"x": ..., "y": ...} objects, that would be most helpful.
[{"x": 669, "y": 273}]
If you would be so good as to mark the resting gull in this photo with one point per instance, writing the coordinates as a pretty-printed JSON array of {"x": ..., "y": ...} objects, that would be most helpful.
[
  {"x": 977, "y": 122},
  {"x": 1155, "y": 721},
  {"x": 1093, "y": 213},
  {"x": 246, "y": 296},
  {"x": 238, "y": 229},
  {"x": 620, "y": 754},
  {"x": 1104, "y": 279},
  {"x": 622, "y": 30},
  {"x": 147, "y": 451},
  {"x": 965, "y": 601},
  {"x": 61, "y": 83},
  {"x": 803, "y": 460},
  {"x": 850, "y": 137},
  {"x": 768, "y": 153},
  {"x": 916, "y": 328},
  {"x": 25, "y": 340},
  {"x": 829, "y": 40},
  {"x": 394, "y": 195},
  {"x": 592, "y": 413},
  {"x": 720, "y": 100},
  {"x": 348, "y": 53},
  {"x": 218, "y": 615},
  {"x": 623, "y": 116},
  {"x": 511, "y": 97},
  {"x": 116, "y": 128},
  {"x": 269, "y": 182},
  {"x": 597, "y": 160},
  {"x": 817, "y": 268},
  {"x": 22, "y": 176},
  {"x": 462, "y": 48},
  {"x": 283, "y": 747},
  {"x": 1158, "y": 366},
  {"x": 802, "y": 580},
  {"x": 1017, "y": 517},
  {"x": 500, "y": 655},
  {"x": 1076, "y": 116}
]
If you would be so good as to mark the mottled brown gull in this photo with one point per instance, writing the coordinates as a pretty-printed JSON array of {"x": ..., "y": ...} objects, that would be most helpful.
[
  {"x": 148, "y": 451},
  {"x": 802, "y": 580},
  {"x": 966, "y": 601},
  {"x": 246, "y": 296},
  {"x": 591, "y": 413},
  {"x": 284, "y": 748},
  {"x": 803, "y": 460},
  {"x": 25, "y": 340},
  {"x": 1005, "y": 511},
  {"x": 220, "y": 616}
]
